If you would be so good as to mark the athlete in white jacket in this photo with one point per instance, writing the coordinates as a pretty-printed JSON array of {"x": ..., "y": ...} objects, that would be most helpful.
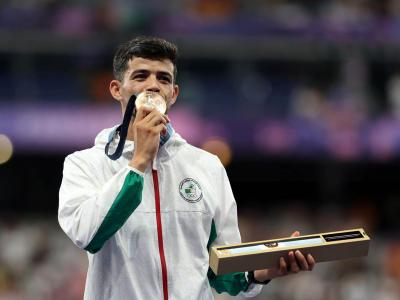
[{"x": 148, "y": 218}]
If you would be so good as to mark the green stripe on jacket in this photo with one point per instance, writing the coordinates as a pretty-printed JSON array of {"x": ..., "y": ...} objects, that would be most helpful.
[
  {"x": 232, "y": 283},
  {"x": 127, "y": 200}
]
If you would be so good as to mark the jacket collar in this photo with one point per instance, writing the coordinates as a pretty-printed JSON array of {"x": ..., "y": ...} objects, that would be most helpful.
[{"x": 169, "y": 144}]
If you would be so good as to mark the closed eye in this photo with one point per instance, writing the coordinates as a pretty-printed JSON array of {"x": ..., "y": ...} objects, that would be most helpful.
[
  {"x": 165, "y": 79},
  {"x": 139, "y": 75}
]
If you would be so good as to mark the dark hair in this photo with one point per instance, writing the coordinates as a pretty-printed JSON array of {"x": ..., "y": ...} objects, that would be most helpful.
[{"x": 145, "y": 47}]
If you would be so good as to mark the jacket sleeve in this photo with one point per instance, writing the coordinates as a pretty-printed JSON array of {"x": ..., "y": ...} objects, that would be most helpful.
[
  {"x": 90, "y": 212},
  {"x": 225, "y": 230}
]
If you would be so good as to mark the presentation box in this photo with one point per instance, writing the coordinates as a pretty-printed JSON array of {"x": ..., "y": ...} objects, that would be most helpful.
[{"x": 323, "y": 247}]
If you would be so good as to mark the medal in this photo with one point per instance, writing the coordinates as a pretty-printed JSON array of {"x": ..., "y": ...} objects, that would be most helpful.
[{"x": 151, "y": 99}]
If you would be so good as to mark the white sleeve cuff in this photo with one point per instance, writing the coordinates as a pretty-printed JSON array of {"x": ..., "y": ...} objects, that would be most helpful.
[
  {"x": 136, "y": 171},
  {"x": 253, "y": 290}
]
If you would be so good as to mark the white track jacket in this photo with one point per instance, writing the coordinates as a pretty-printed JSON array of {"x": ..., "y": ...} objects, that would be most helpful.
[{"x": 148, "y": 234}]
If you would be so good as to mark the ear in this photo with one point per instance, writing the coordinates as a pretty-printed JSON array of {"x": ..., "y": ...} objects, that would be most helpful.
[
  {"x": 115, "y": 90},
  {"x": 175, "y": 95}
]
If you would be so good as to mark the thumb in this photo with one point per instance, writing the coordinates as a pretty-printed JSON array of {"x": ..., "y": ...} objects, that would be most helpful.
[{"x": 296, "y": 233}]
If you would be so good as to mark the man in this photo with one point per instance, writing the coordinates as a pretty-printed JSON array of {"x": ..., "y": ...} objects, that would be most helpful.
[{"x": 149, "y": 218}]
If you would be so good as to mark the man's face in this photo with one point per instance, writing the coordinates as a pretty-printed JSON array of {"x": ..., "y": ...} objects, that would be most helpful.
[{"x": 146, "y": 75}]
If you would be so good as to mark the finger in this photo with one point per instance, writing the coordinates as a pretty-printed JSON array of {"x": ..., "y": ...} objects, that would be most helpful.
[
  {"x": 301, "y": 260},
  {"x": 296, "y": 233},
  {"x": 294, "y": 267},
  {"x": 311, "y": 262},
  {"x": 283, "y": 266},
  {"x": 154, "y": 118},
  {"x": 155, "y": 114},
  {"x": 160, "y": 128},
  {"x": 142, "y": 112}
]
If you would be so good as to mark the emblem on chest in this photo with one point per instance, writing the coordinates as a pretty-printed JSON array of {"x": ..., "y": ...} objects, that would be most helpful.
[{"x": 190, "y": 190}]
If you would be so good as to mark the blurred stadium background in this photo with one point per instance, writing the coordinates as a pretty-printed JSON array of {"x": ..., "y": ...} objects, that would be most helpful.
[{"x": 300, "y": 99}]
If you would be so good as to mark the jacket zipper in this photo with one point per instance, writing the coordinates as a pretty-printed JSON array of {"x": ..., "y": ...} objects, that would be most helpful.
[{"x": 159, "y": 234}]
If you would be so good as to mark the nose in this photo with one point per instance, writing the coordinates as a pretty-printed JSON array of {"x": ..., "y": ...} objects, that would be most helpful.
[{"x": 153, "y": 84}]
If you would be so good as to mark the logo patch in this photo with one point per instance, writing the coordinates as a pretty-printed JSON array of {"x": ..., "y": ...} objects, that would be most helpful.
[{"x": 190, "y": 190}]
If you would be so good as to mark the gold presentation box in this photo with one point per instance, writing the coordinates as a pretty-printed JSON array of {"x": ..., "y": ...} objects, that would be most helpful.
[{"x": 266, "y": 254}]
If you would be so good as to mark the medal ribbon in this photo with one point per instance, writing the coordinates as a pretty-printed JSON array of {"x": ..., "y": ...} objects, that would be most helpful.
[{"x": 122, "y": 131}]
